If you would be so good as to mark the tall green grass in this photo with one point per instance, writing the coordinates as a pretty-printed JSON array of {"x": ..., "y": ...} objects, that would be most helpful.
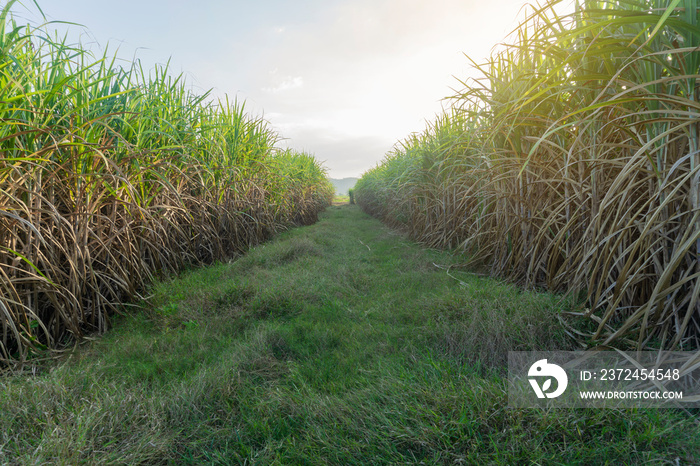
[
  {"x": 572, "y": 164},
  {"x": 110, "y": 176}
]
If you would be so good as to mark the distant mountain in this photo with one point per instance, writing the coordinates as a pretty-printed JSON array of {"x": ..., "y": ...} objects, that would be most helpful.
[{"x": 343, "y": 185}]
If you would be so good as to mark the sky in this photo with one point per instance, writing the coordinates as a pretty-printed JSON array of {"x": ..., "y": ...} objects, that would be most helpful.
[{"x": 344, "y": 80}]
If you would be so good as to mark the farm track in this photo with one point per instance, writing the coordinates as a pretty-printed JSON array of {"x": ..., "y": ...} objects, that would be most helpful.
[{"x": 335, "y": 343}]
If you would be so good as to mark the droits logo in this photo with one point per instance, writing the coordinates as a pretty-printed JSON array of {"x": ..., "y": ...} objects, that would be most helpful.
[{"x": 542, "y": 369}]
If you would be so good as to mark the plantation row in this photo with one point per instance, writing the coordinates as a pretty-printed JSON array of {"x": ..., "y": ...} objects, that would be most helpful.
[
  {"x": 111, "y": 176},
  {"x": 572, "y": 164}
]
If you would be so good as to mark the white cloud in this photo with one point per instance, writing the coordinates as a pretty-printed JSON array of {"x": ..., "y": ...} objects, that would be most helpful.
[
  {"x": 374, "y": 71},
  {"x": 289, "y": 82}
]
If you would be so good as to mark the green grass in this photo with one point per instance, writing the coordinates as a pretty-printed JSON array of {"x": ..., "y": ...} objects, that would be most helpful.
[{"x": 336, "y": 343}]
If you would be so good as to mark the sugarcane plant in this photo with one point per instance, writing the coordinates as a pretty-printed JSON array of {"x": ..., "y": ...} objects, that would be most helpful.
[
  {"x": 575, "y": 168},
  {"x": 111, "y": 176}
]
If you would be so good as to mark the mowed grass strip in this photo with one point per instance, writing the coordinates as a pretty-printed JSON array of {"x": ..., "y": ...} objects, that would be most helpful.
[{"x": 336, "y": 343}]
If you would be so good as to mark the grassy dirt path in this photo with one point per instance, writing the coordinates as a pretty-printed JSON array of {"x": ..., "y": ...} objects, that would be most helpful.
[{"x": 337, "y": 343}]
